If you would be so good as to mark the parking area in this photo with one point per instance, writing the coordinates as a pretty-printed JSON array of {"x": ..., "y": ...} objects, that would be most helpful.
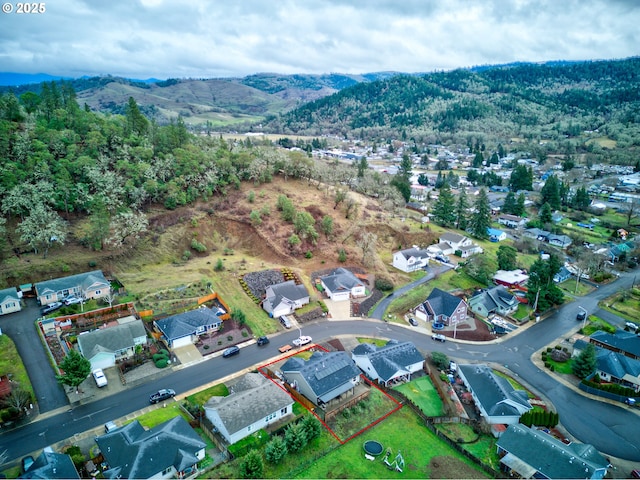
[{"x": 338, "y": 310}]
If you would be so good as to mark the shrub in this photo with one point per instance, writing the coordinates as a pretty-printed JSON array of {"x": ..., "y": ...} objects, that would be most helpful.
[
  {"x": 162, "y": 363},
  {"x": 186, "y": 255},
  {"x": 342, "y": 255},
  {"x": 383, "y": 283},
  {"x": 164, "y": 352},
  {"x": 275, "y": 450},
  {"x": 219, "y": 266},
  {"x": 308, "y": 255},
  {"x": 251, "y": 196},
  {"x": 197, "y": 246}
]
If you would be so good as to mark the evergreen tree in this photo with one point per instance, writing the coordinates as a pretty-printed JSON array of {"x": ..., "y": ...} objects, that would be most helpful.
[
  {"x": 75, "y": 369},
  {"x": 423, "y": 180},
  {"x": 452, "y": 179},
  {"x": 462, "y": 208},
  {"x": 363, "y": 165},
  {"x": 581, "y": 200},
  {"x": 545, "y": 215},
  {"x": 275, "y": 450},
  {"x": 507, "y": 256},
  {"x": 585, "y": 363},
  {"x": 296, "y": 437},
  {"x": 550, "y": 193},
  {"x": 521, "y": 178},
  {"x": 406, "y": 166},
  {"x": 481, "y": 217},
  {"x": 509, "y": 205},
  {"x": 444, "y": 208},
  {"x": 520, "y": 208},
  {"x": 136, "y": 122},
  {"x": 541, "y": 287},
  {"x": 477, "y": 160},
  {"x": 252, "y": 465}
]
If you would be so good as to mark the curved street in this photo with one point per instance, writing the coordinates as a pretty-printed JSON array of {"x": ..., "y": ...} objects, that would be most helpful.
[{"x": 613, "y": 430}]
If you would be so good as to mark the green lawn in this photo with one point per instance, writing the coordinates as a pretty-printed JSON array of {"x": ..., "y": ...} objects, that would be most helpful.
[
  {"x": 480, "y": 446},
  {"x": 569, "y": 286},
  {"x": 403, "y": 431},
  {"x": 423, "y": 394},
  {"x": 11, "y": 364},
  {"x": 160, "y": 415},
  {"x": 625, "y": 303},
  {"x": 201, "y": 397}
]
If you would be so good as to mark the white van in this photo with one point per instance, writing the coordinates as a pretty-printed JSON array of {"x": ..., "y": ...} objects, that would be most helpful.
[{"x": 99, "y": 377}]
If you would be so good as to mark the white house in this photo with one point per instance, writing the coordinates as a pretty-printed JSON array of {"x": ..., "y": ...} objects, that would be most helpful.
[
  {"x": 102, "y": 347},
  {"x": 9, "y": 301},
  {"x": 455, "y": 241},
  {"x": 410, "y": 259},
  {"x": 496, "y": 235},
  {"x": 342, "y": 285},
  {"x": 284, "y": 298},
  {"x": 253, "y": 403},
  {"x": 512, "y": 221}
]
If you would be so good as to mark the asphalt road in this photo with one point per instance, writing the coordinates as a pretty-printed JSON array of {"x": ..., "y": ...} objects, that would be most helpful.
[{"x": 611, "y": 429}]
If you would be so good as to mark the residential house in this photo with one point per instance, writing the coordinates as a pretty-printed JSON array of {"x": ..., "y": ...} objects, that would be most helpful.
[
  {"x": 626, "y": 343},
  {"x": 622, "y": 233},
  {"x": 392, "y": 363},
  {"x": 284, "y": 298},
  {"x": 254, "y": 402},
  {"x": 441, "y": 249},
  {"x": 562, "y": 241},
  {"x": 169, "y": 450},
  {"x": 342, "y": 284},
  {"x": 556, "y": 217},
  {"x": 496, "y": 235},
  {"x": 469, "y": 250},
  {"x": 455, "y": 241},
  {"x": 620, "y": 251},
  {"x": 512, "y": 221},
  {"x": 563, "y": 275},
  {"x": 613, "y": 367},
  {"x": 84, "y": 285},
  {"x": 185, "y": 328},
  {"x": 511, "y": 278},
  {"x": 527, "y": 452},
  {"x": 442, "y": 307},
  {"x": 323, "y": 377},
  {"x": 104, "y": 346},
  {"x": 51, "y": 465},
  {"x": 498, "y": 401},
  {"x": 9, "y": 301},
  {"x": 536, "y": 233},
  {"x": 497, "y": 300},
  {"x": 411, "y": 259}
]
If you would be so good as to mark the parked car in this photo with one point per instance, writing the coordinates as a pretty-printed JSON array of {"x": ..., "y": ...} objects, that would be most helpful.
[
  {"x": 72, "y": 300},
  {"x": 438, "y": 337},
  {"x": 635, "y": 473},
  {"x": 231, "y": 351},
  {"x": 285, "y": 322},
  {"x": 413, "y": 321},
  {"x": 161, "y": 395},
  {"x": 26, "y": 463},
  {"x": 632, "y": 326},
  {"x": 303, "y": 340},
  {"x": 110, "y": 427},
  {"x": 51, "y": 307},
  {"x": 99, "y": 377},
  {"x": 581, "y": 315},
  {"x": 262, "y": 341}
]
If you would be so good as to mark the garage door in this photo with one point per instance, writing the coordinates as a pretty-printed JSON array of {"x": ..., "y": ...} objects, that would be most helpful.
[{"x": 181, "y": 342}]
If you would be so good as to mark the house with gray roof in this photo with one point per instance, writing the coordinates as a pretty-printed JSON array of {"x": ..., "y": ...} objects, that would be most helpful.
[
  {"x": 442, "y": 307},
  {"x": 185, "y": 328},
  {"x": 562, "y": 241},
  {"x": 323, "y": 377},
  {"x": 9, "y": 301},
  {"x": 392, "y": 363},
  {"x": 342, "y": 284},
  {"x": 253, "y": 403},
  {"x": 52, "y": 465},
  {"x": 104, "y": 346},
  {"x": 497, "y": 300},
  {"x": 626, "y": 343},
  {"x": 498, "y": 401},
  {"x": 284, "y": 298},
  {"x": 536, "y": 233},
  {"x": 512, "y": 221},
  {"x": 86, "y": 285},
  {"x": 169, "y": 450},
  {"x": 526, "y": 452},
  {"x": 411, "y": 259}
]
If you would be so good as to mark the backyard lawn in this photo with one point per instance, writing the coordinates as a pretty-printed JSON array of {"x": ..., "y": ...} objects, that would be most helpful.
[
  {"x": 423, "y": 394},
  {"x": 425, "y": 455},
  {"x": 625, "y": 303}
]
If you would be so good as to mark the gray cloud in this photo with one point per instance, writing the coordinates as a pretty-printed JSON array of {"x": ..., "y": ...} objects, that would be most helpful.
[{"x": 217, "y": 38}]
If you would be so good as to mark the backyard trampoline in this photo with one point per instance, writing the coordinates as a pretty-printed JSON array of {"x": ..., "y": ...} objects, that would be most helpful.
[{"x": 372, "y": 447}]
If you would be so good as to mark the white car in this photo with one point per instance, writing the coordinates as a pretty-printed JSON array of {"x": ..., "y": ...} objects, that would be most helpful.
[
  {"x": 99, "y": 377},
  {"x": 303, "y": 340}
]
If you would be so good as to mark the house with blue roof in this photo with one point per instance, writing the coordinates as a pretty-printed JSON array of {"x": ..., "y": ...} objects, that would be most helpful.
[
  {"x": 496, "y": 235},
  {"x": 626, "y": 343},
  {"x": 527, "y": 452},
  {"x": 170, "y": 450},
  {"x": 9, "y": 301},
  {"x": 498, "y": 401},
  {"x": 284, "y": 298},
  {"x": 389, "y": 364},
  {"x": 620, "y": 251},
  {"x": 86, "y": 285},
  {"x": 563, "y": 275},
  {"x": 184, "y": 328},
  {"x": 323, "y": 377},
  {"x": 442, "y": 307}
]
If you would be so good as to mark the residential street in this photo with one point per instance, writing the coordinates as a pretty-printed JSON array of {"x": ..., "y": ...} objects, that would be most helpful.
[{"x": 613, "y": 430}]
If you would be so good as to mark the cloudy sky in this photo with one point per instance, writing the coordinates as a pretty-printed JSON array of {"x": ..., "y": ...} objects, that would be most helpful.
[{"x": 222, "y": 38}]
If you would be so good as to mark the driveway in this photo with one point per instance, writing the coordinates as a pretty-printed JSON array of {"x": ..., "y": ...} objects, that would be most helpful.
[{"x": 21, "y": 328}]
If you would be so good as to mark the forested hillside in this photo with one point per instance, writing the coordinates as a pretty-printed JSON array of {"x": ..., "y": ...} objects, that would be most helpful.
[{"x": 540, "y": 103}]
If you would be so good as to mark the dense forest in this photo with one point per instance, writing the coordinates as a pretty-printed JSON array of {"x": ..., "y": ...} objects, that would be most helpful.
[{"x": 548, "y": 104}]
